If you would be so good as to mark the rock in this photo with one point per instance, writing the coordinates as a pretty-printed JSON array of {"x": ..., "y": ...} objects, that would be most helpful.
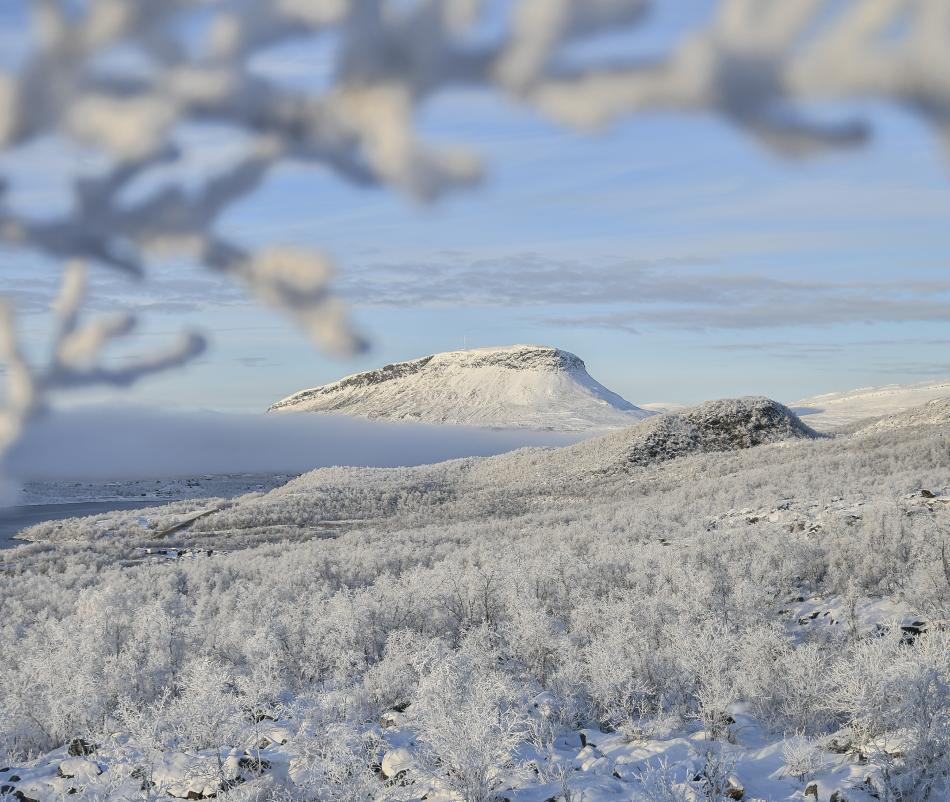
[
  {"x": 9, "y": 790},
  {"x": 590, "y": 737},
  {"x": 837, "y": 796},
  {"x": 910, "y": 632},
  {"x": 254, "y": 764},
  {"x": 79, "y": 747},
  {"x": 735, "y": 790},
  {"x": 390, "y": 719},
  {"x": 141, "y": 773},
  {"x": 812, "y": 791},
  {"x": 927, "y": 494},
  {"x": 839, "y": 745},
  {"x": 396, "y": 762},
  {"x": 277, "y": 735},
  {"x": 78, "y": 767}
]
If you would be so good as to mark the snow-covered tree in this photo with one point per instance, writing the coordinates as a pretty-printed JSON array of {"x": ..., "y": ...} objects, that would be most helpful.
[{"x": 469, "y": 718}]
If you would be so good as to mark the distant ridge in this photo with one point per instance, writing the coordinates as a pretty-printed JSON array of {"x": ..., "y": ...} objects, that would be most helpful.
[
  {"x": 514, "y": 387},
  {"x": 837, "y": 410}
]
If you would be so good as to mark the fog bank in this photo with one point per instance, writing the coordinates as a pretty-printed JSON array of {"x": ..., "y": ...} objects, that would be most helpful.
[{"x": 135, "y": 442}]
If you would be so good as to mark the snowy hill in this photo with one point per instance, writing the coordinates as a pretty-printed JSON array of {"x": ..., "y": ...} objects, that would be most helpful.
[
  {"x": 726, "y": 425},
  {"x": 516, "y": 387},
  {"x": 933, "y": 413},
  {"x": 715, "y": 426},
  {"x": 834, "y": 410}
]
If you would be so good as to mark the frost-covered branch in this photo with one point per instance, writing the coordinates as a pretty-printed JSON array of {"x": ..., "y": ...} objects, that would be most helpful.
[
  {"x": 123, "y": 78},
  {"x": 77, "y": 357}
]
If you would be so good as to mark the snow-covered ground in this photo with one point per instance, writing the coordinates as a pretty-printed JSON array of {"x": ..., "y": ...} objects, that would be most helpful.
[
  {"x": 516, "y": 387},
  {"x": 711, "y": 605},
  {"x": 835, "y": 410}
]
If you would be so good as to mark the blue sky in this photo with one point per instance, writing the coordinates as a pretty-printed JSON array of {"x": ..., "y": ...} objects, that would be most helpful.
[{"x": 673, "y": 254}]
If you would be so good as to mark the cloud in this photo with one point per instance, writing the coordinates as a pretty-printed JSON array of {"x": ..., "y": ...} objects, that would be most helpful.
[
  {"x": 131, "y": 442},
  {"x": 789, "y": 349},
  {"x": 257, "y": 361},
  {"x": 620, "y": 321},
  {"x": 173, "y": 290},
  {"x": 678, "y": 293}
]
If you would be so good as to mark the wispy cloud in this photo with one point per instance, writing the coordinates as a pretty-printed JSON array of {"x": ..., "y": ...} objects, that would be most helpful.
[
  {"x": 679, "y": 293},
  {"x": 178, "y": 290},
  {"x": 257, "y": 361}
]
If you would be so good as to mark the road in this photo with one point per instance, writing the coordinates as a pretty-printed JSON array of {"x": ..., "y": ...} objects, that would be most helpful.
[{"x": 13, "y": 519}]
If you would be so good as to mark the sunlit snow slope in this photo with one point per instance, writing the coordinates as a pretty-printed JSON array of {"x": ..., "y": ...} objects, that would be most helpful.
[
  {"x": 825, "y": 412},
  {"x": 516, "y": 387}
]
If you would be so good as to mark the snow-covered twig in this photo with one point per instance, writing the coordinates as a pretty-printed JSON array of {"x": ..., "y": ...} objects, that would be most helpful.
[{"x": 77, "y": 358}]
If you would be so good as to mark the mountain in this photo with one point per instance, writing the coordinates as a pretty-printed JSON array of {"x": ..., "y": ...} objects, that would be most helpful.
[
  {"x": 836, "y": 410},
  {"x": 516, "y": 387}
]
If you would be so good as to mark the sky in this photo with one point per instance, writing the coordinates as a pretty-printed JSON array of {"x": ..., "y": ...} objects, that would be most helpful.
[{"x": 673, "y": 254}]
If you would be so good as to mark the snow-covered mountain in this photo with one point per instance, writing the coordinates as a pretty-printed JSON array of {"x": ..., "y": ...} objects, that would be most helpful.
[
  {"x": 835, "y": 410},
  {"x": 515, "y": 387}
]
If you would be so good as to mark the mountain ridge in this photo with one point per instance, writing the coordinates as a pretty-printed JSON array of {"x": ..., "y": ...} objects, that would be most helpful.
[{"x": 833, "y": 411}]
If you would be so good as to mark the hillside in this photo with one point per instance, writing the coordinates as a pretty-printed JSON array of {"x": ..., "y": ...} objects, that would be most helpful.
[
  {"x": 837, "y": 410},
  {"x": 933, "y": 413},
  {"x": 725, "y": 425},
  {"x": 712, "y": 606},
  {"x": 516, "y": 387},
  {"x": 467, "y": 488}
]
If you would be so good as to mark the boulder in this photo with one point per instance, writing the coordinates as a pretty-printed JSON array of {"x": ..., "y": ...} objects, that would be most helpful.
[
  {"x": 735, "y": 790},
  {"x": 78, "y": 767},
  {"x": 390, "y": 719},
  {"x": 396, "y": 762},
  {"x": 255, "y": 765},
  {"x": 79, "y": 747}
]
